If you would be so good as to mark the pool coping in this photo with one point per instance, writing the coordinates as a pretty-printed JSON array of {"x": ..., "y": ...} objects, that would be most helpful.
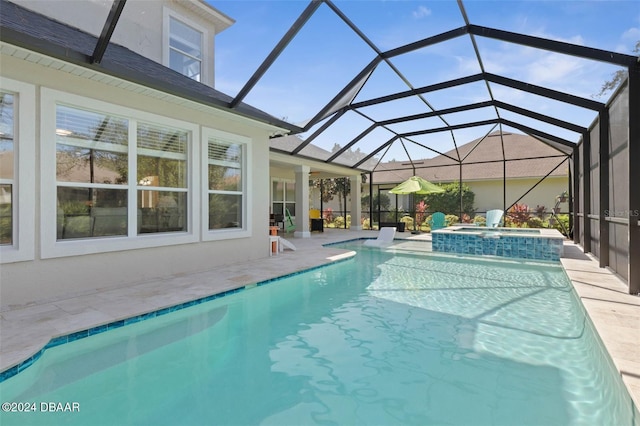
[
  {"x": 26, "y": 330},
  {"x": 81, "y": 334},
  {"x": 614, "y": 313}
]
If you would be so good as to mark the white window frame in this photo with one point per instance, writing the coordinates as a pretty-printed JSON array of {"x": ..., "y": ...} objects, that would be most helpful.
[
  {"x": 50, "y": 246},
  {"x": 166, "y": 37},
  {"x": 285, "y": 201},
  {"x": 231, "y": 233},
  {"x": 23, "y": 191}
]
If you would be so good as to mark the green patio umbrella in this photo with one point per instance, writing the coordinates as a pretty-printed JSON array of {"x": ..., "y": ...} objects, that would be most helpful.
[{"x": 416, "y": 185}]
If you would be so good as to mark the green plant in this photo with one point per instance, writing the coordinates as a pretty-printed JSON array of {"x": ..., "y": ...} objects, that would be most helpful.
[
  {"x": 449, "y": 200},
  {"x": 561, "y": 218},
  {"x": 408, "y": 221},
  {"x": 451, "y": 219},
  {"x": 535, "y": 222},
  {"x": 392, "y": 215},
  {"x": 74, "y": 208},
  {"x": 6, "y": 224},
  {"x": 338, "y": 222},
  {"x": 480, "y": 220},
  {"x": 382, "y": 199}
]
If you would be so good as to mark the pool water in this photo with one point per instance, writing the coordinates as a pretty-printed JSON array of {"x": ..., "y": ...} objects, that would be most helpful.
[{"x": 389, "y": 337}]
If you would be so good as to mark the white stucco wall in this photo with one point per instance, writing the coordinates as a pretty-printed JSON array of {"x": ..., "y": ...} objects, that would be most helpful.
[
  {"x": 43, "y": 279},
  {"x": 142, "y": 26}
]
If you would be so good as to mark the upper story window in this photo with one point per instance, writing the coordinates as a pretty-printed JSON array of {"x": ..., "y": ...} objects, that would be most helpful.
[{"x": 185, "y": 49}]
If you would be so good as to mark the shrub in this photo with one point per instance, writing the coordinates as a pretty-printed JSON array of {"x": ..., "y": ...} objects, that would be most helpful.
[
  {"x": 561, "y": 218},
  {"x": 328, "y": 215},
  {"x": 449, "y": 201},
  {"x": 535, "y": 222},
  {"x": 480, "y": 220},
  {"x": 540, "y": 211},
  {"x": 451, "y": 219},
  {"x": 74, "y": 208},
  {"x": 382, "y": 199},
  {"x": 338, "y": 222},
  {"x": 519, "y": 214},
  {"x": 408, "y": 221}
]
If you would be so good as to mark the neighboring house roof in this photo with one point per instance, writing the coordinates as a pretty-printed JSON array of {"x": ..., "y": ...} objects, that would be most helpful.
[
  {"x": 482, "y": 163},
  {"x": 30, "y": 30}
]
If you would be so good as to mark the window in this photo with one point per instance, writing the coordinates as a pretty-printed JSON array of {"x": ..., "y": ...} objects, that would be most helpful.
[
  {"x": 118, "y": 177},
  {"x": 92, "y": 168},
  {"x": 6, "y": 168},
  {"x": 185, "y": 49},
  {"x": 284, "y": 197},
  {"x": 162, "y": 178},
  {"x": 91, "y": 174},
  {"x": 226, "y": 184},
  {"x": 17, "y": 181}
]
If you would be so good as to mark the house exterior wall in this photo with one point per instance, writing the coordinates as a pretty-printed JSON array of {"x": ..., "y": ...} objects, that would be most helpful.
[
  {"x": 60, "y": 271},
  {"x": 142, "y": 27},
  {"x": 489, "y": 194}
]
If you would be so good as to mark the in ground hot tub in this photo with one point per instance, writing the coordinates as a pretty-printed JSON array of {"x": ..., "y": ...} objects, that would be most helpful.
[{"x": 541, "y": 244}]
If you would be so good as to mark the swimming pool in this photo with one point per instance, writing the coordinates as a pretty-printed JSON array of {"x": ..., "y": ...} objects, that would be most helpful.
[{"x": 388, "y": 337}]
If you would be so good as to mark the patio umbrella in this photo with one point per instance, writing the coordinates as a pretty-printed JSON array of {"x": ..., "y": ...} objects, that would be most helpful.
[{"x": 416, "y": 185}]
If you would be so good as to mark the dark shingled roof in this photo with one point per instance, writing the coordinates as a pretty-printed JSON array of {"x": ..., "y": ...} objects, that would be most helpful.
[
  {"x": 519, "y": 148},
  {"x": 36, "y": 32}
]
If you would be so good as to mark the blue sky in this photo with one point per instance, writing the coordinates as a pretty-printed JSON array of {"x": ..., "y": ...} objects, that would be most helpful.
[{"x": 326, "y": 55}]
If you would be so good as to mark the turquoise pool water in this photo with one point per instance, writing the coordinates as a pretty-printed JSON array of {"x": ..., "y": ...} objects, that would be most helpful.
[{"x": 387, "y": 338}]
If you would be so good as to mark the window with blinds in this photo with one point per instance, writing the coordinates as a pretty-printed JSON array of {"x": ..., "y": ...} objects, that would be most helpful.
[
  {"x": 226, "y": 173},
  {"x": 91, "y": 173},
  {"x": 94, "y": 180},
  {"x": 162, "y": 178}
]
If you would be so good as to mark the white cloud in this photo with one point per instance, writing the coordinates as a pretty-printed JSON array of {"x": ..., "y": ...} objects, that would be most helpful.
[
  {"x": 421, "y": 12},
  {"x": 552, "y": 67},
  {"x": 632, "y": 34}
]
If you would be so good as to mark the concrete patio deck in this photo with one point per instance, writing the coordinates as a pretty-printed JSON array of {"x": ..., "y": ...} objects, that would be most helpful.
[{"x": 24, "y": 330}]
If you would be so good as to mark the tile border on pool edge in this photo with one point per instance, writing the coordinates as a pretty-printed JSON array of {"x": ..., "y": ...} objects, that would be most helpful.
[{"x": 77, "y": 335}]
